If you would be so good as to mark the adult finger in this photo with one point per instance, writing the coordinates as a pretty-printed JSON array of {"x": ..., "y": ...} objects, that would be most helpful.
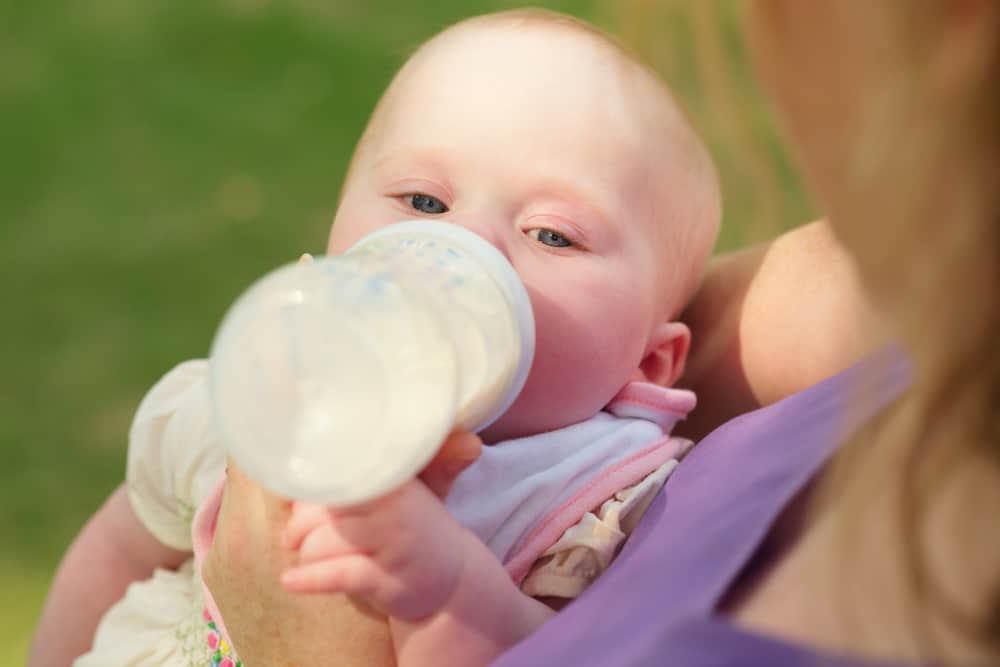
[
  {"x": 304, "y": 519},
  {"x": 458, "y": 452}
]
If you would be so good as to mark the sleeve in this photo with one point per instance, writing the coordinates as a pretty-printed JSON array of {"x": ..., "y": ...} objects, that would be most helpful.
[
  {"x": 174, "y": 454},
  {"x": 586, "y": 549}
]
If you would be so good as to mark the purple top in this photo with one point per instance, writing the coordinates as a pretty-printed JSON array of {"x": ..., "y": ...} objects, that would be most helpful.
[{"x": 656, "y": 603}]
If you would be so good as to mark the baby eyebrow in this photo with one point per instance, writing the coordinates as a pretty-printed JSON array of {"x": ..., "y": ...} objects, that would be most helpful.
[
  {"x": 576, "y": 204},
  {"x": 423, "y": 160}
]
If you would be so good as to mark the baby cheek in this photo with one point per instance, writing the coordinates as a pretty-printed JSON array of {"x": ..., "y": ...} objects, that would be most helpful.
[
  {"x": 585, "y": 354},
  {"x": 355, "y": 219}
]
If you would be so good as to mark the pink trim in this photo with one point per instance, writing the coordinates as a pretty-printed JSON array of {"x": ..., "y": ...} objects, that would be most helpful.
[
  {"x": 623, "y": 474},
  {"x": 202, "y": 533},
  {"x": 665, "y": 399}
]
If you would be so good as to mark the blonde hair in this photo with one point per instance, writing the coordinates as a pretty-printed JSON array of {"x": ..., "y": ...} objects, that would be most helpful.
[
  {"x": 687, "y": 245},
  {"x": 921, "y": 215},
  {"x": 928, "y": 246},
  {"x": 695, "y": 46}
]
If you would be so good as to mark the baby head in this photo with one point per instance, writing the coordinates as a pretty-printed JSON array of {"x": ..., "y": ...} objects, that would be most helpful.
[{"x": 546, "y": 138}]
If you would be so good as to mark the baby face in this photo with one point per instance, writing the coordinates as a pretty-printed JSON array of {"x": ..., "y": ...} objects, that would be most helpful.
[{"x": 529, "y": 139}]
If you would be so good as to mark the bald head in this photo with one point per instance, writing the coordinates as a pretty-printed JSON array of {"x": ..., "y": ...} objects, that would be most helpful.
[{"x": 526, "y": 64}]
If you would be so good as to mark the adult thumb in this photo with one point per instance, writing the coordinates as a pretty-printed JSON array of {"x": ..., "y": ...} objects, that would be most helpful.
[{"x": 457, "y": 452}]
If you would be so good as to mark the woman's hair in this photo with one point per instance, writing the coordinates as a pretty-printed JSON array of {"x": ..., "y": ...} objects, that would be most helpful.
[
  {"x": 916, "y": 493},
  {"x": 921, "y": 214},
  {"x": 698, "y": 48}
]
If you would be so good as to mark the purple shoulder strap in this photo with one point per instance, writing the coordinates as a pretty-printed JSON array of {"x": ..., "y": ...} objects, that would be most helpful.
[{"x": 707, "y": 523}]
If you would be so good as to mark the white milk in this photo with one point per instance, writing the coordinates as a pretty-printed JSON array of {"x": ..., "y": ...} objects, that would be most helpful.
[{"x": 337, "y": 380}]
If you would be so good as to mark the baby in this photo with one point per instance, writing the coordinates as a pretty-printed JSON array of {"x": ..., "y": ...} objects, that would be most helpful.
[{"x": 546, "y": 138}]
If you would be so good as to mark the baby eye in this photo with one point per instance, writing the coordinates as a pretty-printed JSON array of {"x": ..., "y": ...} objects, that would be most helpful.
[
  {"x": 427, "y": 204},
  {"x": 550, "y": 238}
]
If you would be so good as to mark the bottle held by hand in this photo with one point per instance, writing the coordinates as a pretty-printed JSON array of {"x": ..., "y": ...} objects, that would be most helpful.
[{"x": 336, "y": 380}]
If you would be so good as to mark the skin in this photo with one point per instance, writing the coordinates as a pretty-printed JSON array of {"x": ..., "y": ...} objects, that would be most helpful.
[
  {"x": 772, "y": 320},
  {"x": 112, "y": 550},
  {"x": 585, "y": 224},
  {"x": 246, "y": 587},
  {"x": 806, "y": 287},
  {"x": 500, "y": 155},
  {"x": 753, "y": 284}
]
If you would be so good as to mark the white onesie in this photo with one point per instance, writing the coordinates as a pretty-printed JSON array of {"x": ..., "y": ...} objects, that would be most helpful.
[{"x": 553, "y": 507}]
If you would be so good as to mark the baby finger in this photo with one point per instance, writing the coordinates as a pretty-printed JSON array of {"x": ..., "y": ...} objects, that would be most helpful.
[
  {"x": 326, "y": 542},
  {"x": 353, "y": 574}
]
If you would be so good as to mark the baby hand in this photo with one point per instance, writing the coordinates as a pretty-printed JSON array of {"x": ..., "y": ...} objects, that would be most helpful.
[{"x": 402, "y": 553}]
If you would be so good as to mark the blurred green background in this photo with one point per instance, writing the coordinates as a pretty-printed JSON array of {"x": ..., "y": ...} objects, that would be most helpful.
[{"x": 156, "y": 157}]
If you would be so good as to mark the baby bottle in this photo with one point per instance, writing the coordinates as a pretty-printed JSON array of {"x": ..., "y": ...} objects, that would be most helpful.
[{"x": 337, "y": 380}]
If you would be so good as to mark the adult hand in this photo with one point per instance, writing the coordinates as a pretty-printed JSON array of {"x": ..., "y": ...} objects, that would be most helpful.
[
  {"x": 272, "y": 626},
  {"x": 403, "y": 553},
  {"x": 267, "y": 624}
]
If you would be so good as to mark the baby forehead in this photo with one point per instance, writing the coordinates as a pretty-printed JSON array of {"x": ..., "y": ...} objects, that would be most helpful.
[
  {"x": 486, "y": 34},
  {"x": 518, "y": 59},
  {"x": 542, "y": 93},
  {"x": 555, "y": 81}
]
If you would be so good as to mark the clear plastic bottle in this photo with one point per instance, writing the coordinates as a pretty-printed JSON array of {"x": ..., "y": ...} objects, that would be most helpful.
[{"x": 336, "y": 380}]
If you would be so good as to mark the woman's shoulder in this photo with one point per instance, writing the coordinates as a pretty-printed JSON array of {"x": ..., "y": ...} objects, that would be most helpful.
[{"x": 771, "y": 320}]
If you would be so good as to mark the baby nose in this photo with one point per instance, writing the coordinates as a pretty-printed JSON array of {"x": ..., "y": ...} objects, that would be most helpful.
[{"x": 491, "y": 231}]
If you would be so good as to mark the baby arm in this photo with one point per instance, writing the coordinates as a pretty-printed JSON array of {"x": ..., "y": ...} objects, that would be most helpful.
[
  {"x": 448, "y": 599},
  {"x": 485, "y": 615},
  {"x": 113, "y": 550}
]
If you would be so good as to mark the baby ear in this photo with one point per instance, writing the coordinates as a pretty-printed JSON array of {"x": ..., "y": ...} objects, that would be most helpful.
[{"x": 666, "y": 354}]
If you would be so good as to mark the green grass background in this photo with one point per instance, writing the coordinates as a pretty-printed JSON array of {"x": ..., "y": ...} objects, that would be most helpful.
[{"x": 156, "y": 157}]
